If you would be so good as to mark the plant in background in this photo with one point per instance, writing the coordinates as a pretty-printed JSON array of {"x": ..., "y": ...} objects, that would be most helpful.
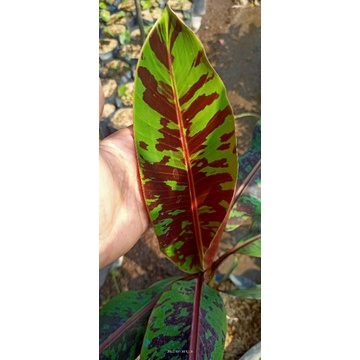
[
  {"x": 105, "y": 15},
  {"x": 125, "y": 37},
  {"x": 121, "y": 90},
  {"x": 104, "y": 10},
  {"x": 146, "y": 4},
  {"x": 195, "y": 187}
]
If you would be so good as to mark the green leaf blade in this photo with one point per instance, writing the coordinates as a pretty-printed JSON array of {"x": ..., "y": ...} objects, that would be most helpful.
[
  {"x": 253, "y": 249},
  {"x": 185, "y": 137},
  {"x": 253, "y": 292}
]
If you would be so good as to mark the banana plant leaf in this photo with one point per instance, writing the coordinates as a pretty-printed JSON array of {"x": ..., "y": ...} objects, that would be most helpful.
[
  {"x": 247, "y": 207},
  {"x": 248, "y": 212},
  {"x": 253, "y": 292},
  {"x": 188, "y": 322},
  {"x": 123, "y": 321},
  {"x": 253, "y": 249},
  {"x": 252, "y": 156},
  {"x": 185, "y": 140}
]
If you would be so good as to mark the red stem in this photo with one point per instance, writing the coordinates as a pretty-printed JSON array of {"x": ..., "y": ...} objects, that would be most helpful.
[
  {"x": 195, "y": 320},
  {"x": 246, "y": 182},
  {"x": 217, "y": 263}
]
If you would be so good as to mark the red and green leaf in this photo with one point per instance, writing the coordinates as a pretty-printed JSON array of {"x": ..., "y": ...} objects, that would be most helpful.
[
  {"x": 172, "y": 319},
  {"x": 188, "y": 322},
  {"x": 123, "y": 321},
  {"x": 246, "y": 211},
  {"x": 185, "y": 140},
  {"x": 247, "y": 208}
]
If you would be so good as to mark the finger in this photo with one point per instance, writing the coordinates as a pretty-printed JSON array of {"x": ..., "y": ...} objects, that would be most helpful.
[{"x": 131, "y": 129}]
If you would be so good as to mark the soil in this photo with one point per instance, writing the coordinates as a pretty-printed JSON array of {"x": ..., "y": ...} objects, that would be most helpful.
[{"x": 230, "y": 33}]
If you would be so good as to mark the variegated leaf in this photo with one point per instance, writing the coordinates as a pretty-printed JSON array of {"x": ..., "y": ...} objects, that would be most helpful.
[
  {"x": 185, "y": 140},
  {"x": 123, "y": 321},
  {"x": 252, "y": 156},
  {"x": 247, "y": 206},
  {"x": 188, "y": 322}
]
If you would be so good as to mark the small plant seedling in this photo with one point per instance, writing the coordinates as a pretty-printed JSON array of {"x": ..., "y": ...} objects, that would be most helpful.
[
  {"x": 145, "y": 4},
  {"x": 124, "y": 37},
  {"x": 105, "y": 15}
]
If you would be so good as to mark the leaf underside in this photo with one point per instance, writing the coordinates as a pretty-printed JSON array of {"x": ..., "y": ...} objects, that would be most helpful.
[{"x": 185, "y": 141}]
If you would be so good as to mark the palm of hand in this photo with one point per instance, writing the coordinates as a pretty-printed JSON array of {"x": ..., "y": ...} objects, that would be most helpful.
[{"x": 123, "y": 216}]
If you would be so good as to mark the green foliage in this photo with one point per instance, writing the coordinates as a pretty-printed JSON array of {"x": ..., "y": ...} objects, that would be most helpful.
[
  {"x": 254, "y": 249},
  {"x": 121, "y": 90},
  {"x": 108, "y": 31},
  {"x": 125, "y": 37},
  {"x": 120, "y": 14},
  {"x": 145, "y": 4},
  {"x": 105, "y": 15},
  {"x": 102, "y": 5},
  {"x": 247, "y": 206},
  {"x": 148, "y": 28},
  {"x": 253, "y": 292},
  {"x": 114, "y": 273}
]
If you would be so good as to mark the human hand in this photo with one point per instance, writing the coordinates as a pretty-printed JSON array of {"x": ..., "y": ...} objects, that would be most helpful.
[{"x": 122, "y": 211}]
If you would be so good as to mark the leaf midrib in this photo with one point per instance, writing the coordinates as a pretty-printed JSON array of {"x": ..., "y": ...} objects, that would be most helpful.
[
  {"x": 240, "y": 190},
  {"x": 192, "y": 191},
  {"x": 128, "y": 324},
  {"x": 194, "y": 337}
]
